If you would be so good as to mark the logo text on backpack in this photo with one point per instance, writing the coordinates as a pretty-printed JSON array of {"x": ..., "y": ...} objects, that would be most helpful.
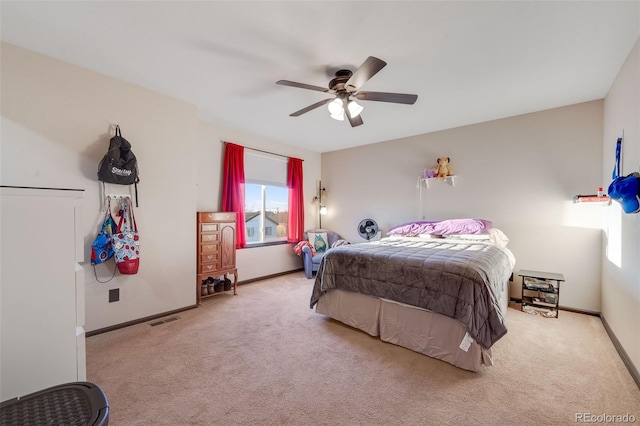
[{"x": 121, "y": 172}]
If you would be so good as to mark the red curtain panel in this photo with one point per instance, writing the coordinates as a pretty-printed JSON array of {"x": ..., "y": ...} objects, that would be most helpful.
[{"x": 233, "y": 188}]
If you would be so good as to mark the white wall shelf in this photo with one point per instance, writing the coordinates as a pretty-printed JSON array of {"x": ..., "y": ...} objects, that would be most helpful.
[
  {"x": 592, "y": 199},
  {"x": 451, "y": 180}
]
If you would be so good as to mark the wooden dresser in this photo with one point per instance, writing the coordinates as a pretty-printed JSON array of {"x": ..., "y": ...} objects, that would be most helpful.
[{"x": 216, "y": 250}]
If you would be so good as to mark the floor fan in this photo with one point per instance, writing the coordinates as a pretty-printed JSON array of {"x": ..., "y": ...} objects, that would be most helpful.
[{"x": 368, "y": 229}]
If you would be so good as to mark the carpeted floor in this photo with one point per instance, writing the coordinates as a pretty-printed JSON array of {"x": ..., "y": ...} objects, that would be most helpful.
[{"x": 264, "y": 358}]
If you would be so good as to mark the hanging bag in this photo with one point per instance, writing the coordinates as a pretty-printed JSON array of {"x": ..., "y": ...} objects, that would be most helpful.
[
  {"x": 101, "y": 248},
  {"x": 119, "y": 165},
  {"x": 126, "y": 241},
  {"x": 624, "y": 189}
]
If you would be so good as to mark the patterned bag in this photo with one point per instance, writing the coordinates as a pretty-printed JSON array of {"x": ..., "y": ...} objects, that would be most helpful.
[
  {"x": 101, "y": 248},
  {"x": 126, "y": 241}
]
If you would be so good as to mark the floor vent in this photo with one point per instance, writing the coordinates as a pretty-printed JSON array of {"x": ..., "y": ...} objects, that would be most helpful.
[{"x": 153, "y": 324}]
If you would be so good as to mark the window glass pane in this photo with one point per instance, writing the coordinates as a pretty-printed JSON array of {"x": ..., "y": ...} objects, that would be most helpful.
[
  {"x": 277, "y": 211},
  {"x": 252, "y": 209},
  {"x": 266, "y": 212},
  {"x": 252, "y": 197}
]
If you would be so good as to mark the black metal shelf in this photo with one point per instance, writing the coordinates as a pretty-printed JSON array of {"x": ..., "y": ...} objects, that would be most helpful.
[{"x": 546, "y": 283}]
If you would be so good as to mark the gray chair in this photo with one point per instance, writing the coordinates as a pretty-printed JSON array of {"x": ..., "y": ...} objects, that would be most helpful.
[{"x": 311, "y": 263}]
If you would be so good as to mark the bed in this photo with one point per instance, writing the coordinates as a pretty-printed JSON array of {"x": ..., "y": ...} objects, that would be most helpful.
[{"x": 444, "y": 296}]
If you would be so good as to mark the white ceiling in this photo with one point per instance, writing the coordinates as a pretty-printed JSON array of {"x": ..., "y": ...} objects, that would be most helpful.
[{"x": 468, "y": 62}]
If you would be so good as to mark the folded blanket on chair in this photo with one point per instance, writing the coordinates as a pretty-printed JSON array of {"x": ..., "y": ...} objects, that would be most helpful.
[{"x": 298, "y": 248}]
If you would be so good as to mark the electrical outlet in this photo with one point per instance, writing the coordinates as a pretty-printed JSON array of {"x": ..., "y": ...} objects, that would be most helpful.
[{"x": 114, "y": 295}]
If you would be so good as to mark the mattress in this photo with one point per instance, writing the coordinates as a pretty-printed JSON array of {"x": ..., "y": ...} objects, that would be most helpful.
[
  {"x": 459, "y": 279},
  {"x": 417, "y": 329}
]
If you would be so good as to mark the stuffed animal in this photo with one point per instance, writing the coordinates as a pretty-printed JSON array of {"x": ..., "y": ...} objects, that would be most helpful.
[
  {"x": 429, "y": 173},
  {"x": 443, "y": 169}
]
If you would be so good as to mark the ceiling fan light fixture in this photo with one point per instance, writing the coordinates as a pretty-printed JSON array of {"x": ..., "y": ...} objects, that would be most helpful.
[
  {"x": 354, "y": 108},
  {"x": 346, "y": 85},
  {"x": 336, "y": 109},
  {"x": 335, "y": 106}
]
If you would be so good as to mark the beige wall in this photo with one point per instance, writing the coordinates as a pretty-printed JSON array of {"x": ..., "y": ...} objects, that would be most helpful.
[
  {"x": 621, "y": 246},
  {"x": 56, "y": 125},
  {"x": 257, "y": 261},
  {"x": 520, "y": 172}
]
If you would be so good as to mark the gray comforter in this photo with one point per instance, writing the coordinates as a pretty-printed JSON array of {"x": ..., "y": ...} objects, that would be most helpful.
[{"x": 462, "y": 280}]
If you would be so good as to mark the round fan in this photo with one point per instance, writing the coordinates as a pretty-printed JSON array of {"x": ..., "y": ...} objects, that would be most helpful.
[
  {"x": 346, "y": 85},
  {"x": 368, "y": 229}
]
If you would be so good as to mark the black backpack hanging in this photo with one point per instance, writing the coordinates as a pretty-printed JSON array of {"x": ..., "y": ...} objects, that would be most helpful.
[{"x": 119, "y": 165}]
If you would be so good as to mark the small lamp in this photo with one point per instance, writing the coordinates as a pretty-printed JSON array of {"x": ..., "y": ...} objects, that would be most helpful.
[{"x": 317, "y": 201}]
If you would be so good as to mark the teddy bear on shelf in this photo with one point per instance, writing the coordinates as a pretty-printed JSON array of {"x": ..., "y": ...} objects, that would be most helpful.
[{"x": 443, "y": 170}]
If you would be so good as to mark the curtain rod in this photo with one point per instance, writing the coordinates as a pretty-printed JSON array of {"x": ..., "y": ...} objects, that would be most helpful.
[{"x": 259, "y": 150}]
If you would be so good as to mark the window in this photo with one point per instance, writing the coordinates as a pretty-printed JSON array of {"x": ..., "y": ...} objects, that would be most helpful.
[
  {"x": 266, "y": 197},
  {"x": 266, "y": 212}
]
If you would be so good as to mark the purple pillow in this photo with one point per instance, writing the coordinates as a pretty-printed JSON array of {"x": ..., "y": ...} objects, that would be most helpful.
[{"x": 445, "y": 227}]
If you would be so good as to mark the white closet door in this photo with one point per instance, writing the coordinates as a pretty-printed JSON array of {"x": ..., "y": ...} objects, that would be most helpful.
[{"x": 39, "y": 316}]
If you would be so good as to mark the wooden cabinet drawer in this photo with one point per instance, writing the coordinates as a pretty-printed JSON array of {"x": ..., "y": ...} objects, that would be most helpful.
[
  {"x": 216, "y": 216},
  {"x": 209, "y": 238},
  {"x": 208, "y": 268},
  {"x": 209, "y": 258},
  {"x": 209, "y": 227},
  {"x": 209, "y": 248}
]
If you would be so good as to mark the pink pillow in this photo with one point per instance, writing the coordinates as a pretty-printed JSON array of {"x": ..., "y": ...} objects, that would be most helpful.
[{"x": 445, "y": 227}]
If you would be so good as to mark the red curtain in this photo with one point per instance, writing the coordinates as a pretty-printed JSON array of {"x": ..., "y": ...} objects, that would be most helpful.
[
  {"x": 295, "y": 221},
  {"x": 233, "y": 188}
]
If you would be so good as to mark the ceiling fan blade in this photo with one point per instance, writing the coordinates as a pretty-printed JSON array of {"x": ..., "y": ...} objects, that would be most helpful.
[
  {"x": 398, "y": 98},
  {"x": 354, "y": 121},
  {"x": 310, "y": 107},
  {"x": 303, "y": 86},
  {"x": 368, "y": 69}
]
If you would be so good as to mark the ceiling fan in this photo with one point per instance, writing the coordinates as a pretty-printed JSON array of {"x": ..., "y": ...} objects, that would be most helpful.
[{"x": 346, "y": 85}]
